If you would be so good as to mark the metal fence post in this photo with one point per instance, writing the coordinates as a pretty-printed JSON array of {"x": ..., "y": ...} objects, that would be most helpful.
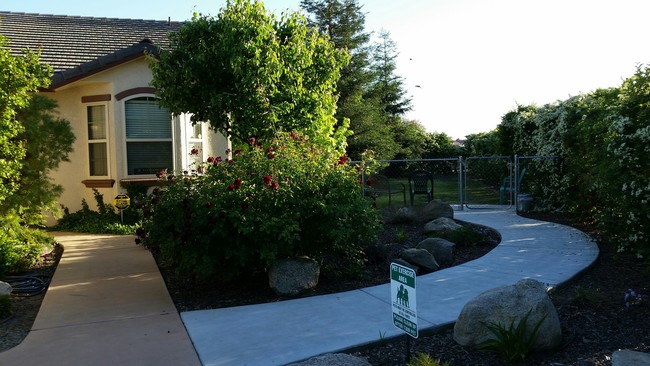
[{"x": 460, "y": 183}]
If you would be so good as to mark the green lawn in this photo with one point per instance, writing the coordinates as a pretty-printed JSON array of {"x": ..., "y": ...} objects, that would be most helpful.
[{"x": 444, "y": 188}]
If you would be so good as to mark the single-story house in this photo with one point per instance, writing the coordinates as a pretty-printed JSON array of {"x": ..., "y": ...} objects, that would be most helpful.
[{"x": 102, "y": 85}]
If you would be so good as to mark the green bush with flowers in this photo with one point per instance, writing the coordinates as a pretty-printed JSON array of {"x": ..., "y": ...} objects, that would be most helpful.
[{"x": 286, "y": 198}]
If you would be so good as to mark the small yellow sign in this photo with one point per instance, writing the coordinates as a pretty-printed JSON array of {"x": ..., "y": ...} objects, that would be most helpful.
[{"x": 122, "y": 201}]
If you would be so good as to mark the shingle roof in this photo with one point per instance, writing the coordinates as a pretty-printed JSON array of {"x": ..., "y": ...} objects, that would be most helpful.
[{"x": 76, "y": 46}]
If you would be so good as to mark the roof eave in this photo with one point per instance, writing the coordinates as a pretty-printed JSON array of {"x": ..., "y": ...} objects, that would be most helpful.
[{"x": 65, "y": 77}]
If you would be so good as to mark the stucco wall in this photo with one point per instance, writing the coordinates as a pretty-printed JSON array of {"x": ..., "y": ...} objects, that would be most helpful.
[{"x": 70, "y": 175}]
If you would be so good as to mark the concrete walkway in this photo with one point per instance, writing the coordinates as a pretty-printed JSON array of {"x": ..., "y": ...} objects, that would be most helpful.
[
  {"x": 289, "y": 331},
  {"x": 107, "y": 305}
]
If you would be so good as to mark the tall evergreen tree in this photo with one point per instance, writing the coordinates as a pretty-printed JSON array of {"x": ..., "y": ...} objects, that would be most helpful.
[
  {"x": 344, "y": 22},
  {"x": 388, "y": 87}
]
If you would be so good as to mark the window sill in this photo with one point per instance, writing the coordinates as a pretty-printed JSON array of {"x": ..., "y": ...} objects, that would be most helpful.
[{"x": 99, "y": 183}]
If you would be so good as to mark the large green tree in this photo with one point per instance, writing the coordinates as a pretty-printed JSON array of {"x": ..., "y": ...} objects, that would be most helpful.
[
  {"x": 344, "y": 22},
  {"x": 19, "y": 77},
  {"x": 48, "y": 141},
  {"x": 251, "y": 74},
  {"x": 372, "y": 96},
  {"x": 387, "y": 86}
]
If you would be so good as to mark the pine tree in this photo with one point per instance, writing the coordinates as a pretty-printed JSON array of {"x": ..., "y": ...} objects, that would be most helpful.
[
  {"x": 388, "y": 87},
  {"x": 344, "y": 22}
]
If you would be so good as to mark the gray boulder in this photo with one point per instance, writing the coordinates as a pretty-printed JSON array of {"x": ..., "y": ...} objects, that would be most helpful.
[
  {"x": 334, "y": 359},
  {"x": 441, "y": 224},
  {"x": 5, "y": 289},
  {"x": 441, "y": 249},
  {"x": 436, "y": 209},
  {"x": 627, "y": 357},
  {"x": 290, "y": 277},
  {"x": 421, "y": 258},
  {"x": 506, "y": 304},
  {"x": 403, "y": 214}
]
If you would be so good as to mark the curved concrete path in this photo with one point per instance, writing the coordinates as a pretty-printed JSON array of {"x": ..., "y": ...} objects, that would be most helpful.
[
  {"x": 289, "y": 331},
  {"x": 107, "y": 304}
]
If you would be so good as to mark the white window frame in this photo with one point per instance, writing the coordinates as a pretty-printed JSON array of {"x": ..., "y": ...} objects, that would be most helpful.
[
  {"x": 189, "y": 141},
  {"x": 127, "y": 139},
  {"x": 104, "y": 141}
]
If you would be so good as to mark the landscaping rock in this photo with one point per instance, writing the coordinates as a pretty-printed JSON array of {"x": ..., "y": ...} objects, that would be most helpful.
[
  {"x": 5, "y": 289},
  {"x": 506, "y": 304},
  {"x": 441, "y": 249},
  {"x": 334, "y": 359},
  {"x": 403, "y": 214},
  {"x": 290, "y": 277},
  {"x": 627, "y": 357},
  {"x": 421, "y": 258},
  {"x": 436, "y": 209},
  {"x": 441, "y": 224}
]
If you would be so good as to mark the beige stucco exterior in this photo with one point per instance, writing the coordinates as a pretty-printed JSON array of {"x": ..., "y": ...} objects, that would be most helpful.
[{"x": 104, "y": 88}]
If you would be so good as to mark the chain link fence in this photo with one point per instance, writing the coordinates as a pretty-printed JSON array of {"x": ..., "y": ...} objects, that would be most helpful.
[{"x": 524, "y": 182}]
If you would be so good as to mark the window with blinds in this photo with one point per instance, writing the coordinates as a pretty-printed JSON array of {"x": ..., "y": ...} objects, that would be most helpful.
[
  {"x": 97, "y": 141},
  {"x": 148, "y": 137}
]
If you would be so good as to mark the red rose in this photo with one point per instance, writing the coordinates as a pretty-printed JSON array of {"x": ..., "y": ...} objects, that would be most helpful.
[
  {"x": 275, "y": 185},
  {"x": 237, "y": 182},
  {"x": 267, "y": 180}
]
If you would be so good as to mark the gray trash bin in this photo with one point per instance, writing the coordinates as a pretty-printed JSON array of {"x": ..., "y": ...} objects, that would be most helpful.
[{"x": 524, "y": 202}]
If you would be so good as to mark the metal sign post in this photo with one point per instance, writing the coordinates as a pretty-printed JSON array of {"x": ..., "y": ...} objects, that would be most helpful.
[{"x": 404, "y": 300}]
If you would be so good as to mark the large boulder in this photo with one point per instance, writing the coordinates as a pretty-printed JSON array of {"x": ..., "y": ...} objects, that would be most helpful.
[
  {"x": 441, "y": 249},
  {"x": 290, "y": 277},
  {"x": 421, "y": 258},
  {"x": 506, "y": 304},
  {"x": 436, "y": 209},
  {"x": 441, "y": 224},
  {"x": 5, "y": 289}
]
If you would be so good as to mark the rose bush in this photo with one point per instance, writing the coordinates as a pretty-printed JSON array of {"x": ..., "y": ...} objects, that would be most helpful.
[{"x": 286, "y": 198}]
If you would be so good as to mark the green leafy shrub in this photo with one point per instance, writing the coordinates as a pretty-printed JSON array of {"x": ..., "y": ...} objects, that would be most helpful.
[
  {"x": 20, "y": 246},
  {"x": 512, "y": 343},
  {"x": 423, "y": 359},
  {"x": 283, "y": 199},
  {"x": 103, "y": 221}
]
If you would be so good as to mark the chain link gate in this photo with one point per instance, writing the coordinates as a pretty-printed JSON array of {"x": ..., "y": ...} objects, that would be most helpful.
[
  {"x": 488, "y": 182},
  {"x": 483, "y": 182}
]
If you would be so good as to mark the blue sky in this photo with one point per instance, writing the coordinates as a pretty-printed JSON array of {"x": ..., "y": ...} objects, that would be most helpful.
[{"x": 474, "y": 60}]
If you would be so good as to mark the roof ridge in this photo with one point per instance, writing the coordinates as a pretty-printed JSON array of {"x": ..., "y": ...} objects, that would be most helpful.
[{"x": 90, "y": 17}]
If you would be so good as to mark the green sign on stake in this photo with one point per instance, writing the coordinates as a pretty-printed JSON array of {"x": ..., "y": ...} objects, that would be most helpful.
[{"x": 403, "y": 298}]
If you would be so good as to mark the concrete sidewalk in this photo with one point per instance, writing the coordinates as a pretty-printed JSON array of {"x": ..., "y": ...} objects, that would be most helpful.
[
  {"x": 289, "y": 331},
  {"x": 107, "y": 305}
]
